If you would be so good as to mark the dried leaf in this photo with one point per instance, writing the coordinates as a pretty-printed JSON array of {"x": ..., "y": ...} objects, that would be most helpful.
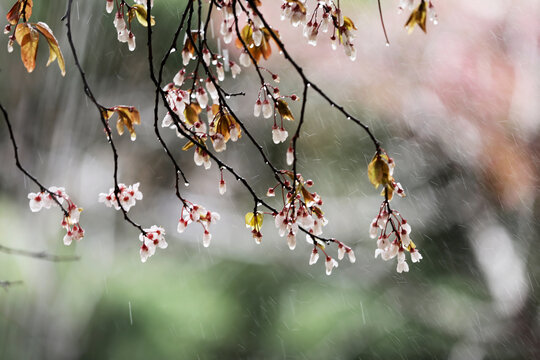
[
  {"x": 16, "y": 11},
  {"x": 254, "y": 220},
  {"x": 128, "y": 116},
  {"x": 378, "y": 171},
  {"x": 191, "y": 113},
  {"x": 141, "y": 13},
  {"x": 54, "y": 50},
  {"x": 28, "y": 39},
  {"x": 418, "y": 17},
  {"x": 188, "y": 146},
  {"x": 284, "y": 110}
]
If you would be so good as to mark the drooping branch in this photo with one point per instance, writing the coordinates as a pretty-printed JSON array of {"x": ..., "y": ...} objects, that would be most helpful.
[
  {"x": 38, "y": 254},
  {"x": 101, "y": 109}
]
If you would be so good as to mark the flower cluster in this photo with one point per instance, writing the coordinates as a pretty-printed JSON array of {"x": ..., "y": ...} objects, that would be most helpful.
[
  {"x": 125, "y": 11},
  {"x": 188, "y": 105},
  {"x": 301, "y": 211},
  {"x": 326, "y": 15},
  {"x": 56, "y": 196},
  {"x": 389, "y": 227},
  {"x": 272, "y": 105},
  {"x": 151, "y": 239},
  {"x": 193, "y": 213},
  {"x": 128, "y": 196}
]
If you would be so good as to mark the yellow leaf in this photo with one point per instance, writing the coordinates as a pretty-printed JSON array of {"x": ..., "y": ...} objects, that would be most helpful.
[
  {"x": 28, "y": 39},
  {"x": 188, "y": 146},
  {"x": 254, "y": 220},
  {"x": 107, "y": 113},
  {"x": 418, "y": 17},
  {"x": 411, "y": 246},
  {"x": 348, "y": 23},
  {"x": 141, "y": 13},
  {"x": 378, "y": 171},
  {"x": 284, "y": 111},
  {"x": 127, "y": 116},
  {"x": 54, "y": 50},
  {"x": 191, "y": 113},
  {"x": 16, "y": 12}
]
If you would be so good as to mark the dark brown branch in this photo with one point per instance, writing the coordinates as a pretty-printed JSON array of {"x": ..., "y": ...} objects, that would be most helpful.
[
  {"x": 54, "y": 196},
  {"x": 100, "y": 109},
  {"x": 300, "y": 72}
]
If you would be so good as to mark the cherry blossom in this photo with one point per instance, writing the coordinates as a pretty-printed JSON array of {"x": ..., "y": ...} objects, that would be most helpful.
[{"x": 128, "y": 196}]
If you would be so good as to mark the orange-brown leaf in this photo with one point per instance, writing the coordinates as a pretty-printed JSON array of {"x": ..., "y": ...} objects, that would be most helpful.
[
  {"x": 54, "y": 50},
  {"x": 191, "y": 113},
  {"x": 28, "y": 39},
  {"x": 16, "y": 11},
  {"x": 128, "y": 116},
  {"x": 284, "y": 110},
  {"x": 418, "y": 17}
]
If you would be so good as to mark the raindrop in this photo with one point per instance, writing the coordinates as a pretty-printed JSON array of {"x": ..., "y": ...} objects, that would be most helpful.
[
  {"x": 228, "y": 97},
  {"x": 348, "y": 118},
  {"x": 387, "y": 44},
  {"x": 186, "y": 184},
  {"x": 259, "y": 203}
]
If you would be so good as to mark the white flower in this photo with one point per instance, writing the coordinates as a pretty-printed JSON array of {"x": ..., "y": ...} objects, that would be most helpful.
[
  {"x": 235, "y": 69},
  {"x": 222, "y": 187},
  {"x": 36, "y": 201},
  {"x": 212, "y": 90},
  {"x": 373, "y": 229},
  {"x": 245, "y": 60},
  {"x": 227, "y": 38},
  {"x": 352, "y": 257},
  {"x": 10, "y": 45},
  {"x": 279, "y": 135},
  {"x": 219, "y": 142},
  {"x": 109, "y": 6},
  {"x": 220, "y": 71},
  {"x": 290, "y": 156},
  {"x": 182, "y": 224},
  {"x": 179, "y": 78},
  {"x": 76, "y": 233},
  {"x": 330, "y": 264},
  {"x": 291, "y": 240},
  {"x": 257, "y": 37},
  {"x": 123, "y": 36},
  {"x": 186, "y": 56},
  {"x": 415, "y": 256},
  {"x": 267, "y": 109},
  {"x": 206, "y": 238},
  {"x": 314, "y": 257},
  {"x": 202, "y": 97},
  {"x": 146, "y": 252},
  {"x": 119, "y": 22},
  {"x": 131, "y": 41},
  {"x": 402, "y": 266},
  {"x": 167, "y": 120},
  {"x": 206, "y": 56},
  {"x": 341, "y": 251},
  {"x": 257, "y": 108}
]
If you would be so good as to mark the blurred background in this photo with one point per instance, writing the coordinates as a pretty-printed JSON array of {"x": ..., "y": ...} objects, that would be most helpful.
[{"x": 458, "y": 110}]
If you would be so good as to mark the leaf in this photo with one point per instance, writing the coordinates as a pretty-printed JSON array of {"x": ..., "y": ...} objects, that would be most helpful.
[
  {"x": 418, "y": 17},
  {"x": 348, "y": 23},
  {"x": 191, "y": 113},
  {"x": 107, "y": 113},
  {"x": 188, "y": 146},
  {"x": 378, "y": 171},
  {"x": 142, "y": 14},
  {"x": 54, "y": 50},
  {"x": 28, "y": 39},
  {"x": 284, "y": 110},
  {"x": 16, "y": 11},
  {"x": 254, "y": 220},
  {"x": 127, "y": 117}
]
